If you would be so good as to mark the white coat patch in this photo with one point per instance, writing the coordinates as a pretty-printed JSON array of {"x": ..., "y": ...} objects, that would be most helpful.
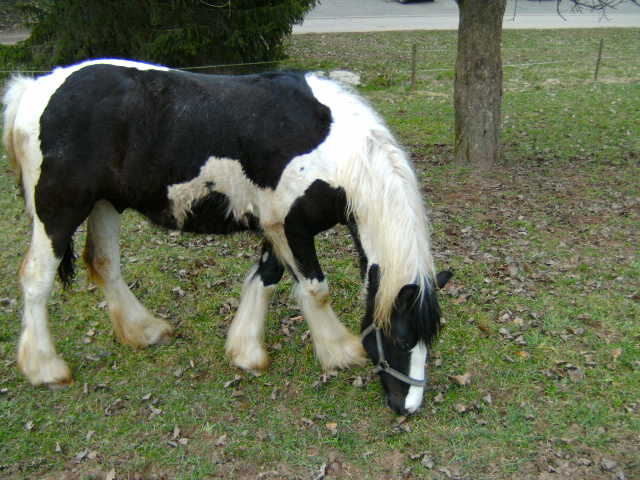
[{"x": 221, "y": 175}]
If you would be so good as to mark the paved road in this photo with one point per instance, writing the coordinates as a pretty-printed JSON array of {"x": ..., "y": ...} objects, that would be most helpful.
[
  {"x": 11, "y": 37},
  {"x": 376, "y": 15}
]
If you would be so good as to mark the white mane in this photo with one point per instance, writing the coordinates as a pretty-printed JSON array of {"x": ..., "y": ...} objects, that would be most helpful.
[{"x": 382, "y": 194}]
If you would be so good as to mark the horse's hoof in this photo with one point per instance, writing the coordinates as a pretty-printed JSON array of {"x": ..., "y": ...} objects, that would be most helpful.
[
  {"x": 255, "y": 362},
  {"x": 60, "y": 384},
  {"x": 166, "y": 338}
]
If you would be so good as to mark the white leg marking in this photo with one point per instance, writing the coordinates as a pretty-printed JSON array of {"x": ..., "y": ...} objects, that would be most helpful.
[
  {"x": 37, "y": 357},
  {"x": 132, "y": 322},
  {"x": 334, "y": 344},
  {"x": 417, "y": 371},
  {"x": 245, "y": 340}
]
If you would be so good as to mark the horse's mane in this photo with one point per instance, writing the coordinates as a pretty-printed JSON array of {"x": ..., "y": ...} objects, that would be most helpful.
[
  {"x": 384, "y": 197},
  {"x": 385, "y": 200}
]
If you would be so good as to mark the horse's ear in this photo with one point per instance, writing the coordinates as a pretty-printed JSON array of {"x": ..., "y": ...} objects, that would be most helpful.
[
  {"x": 443, "y": 277},
  {"x": 407, "y": 295}
]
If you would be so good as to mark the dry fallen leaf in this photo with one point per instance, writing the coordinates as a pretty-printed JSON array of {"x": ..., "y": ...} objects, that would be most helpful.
[
  {"x": 616, "y": 352},
  {"x": 235, "y": 380},
  {"x": 221, "y": 441},
  {"x": 427, "y": 461},
  {"x": 522, "y": 354},
  {"x": 483, "y": 328},
  {"x": 332, "y": 427},
  {"x": 575, "y": 375},
  {"x": 154, "y": 411},
  {"x": 274, "y": 393},
  {"x": 111, "y": 475},
  {"x": 81, "y": 455},
  {"x": 439, "y": 398},
  {"x": 460, "y": 408},
  {"x": 178, "y": 291},
  {"x": 462, "y": 380},
  {"x": 505, "y": 333},
  {"x": 445, "y": 471},
  {"x": 518, "y": 321}
]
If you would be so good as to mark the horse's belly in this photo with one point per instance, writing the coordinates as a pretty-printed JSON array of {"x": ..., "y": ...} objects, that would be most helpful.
[{"x": 212, "y": 214}]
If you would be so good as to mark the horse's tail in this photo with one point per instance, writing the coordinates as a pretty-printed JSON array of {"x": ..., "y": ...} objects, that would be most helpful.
[{"x": 14, "y": 92}]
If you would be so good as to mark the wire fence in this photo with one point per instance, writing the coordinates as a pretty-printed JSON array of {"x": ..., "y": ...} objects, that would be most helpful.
[{"x": 583, "y": 50}]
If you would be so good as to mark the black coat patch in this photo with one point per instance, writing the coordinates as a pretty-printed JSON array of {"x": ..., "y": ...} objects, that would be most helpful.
[
  {"x": 209, "y": 215},
  {"x": 320, "y": 208},
  {"x": 124, "y": 135}
]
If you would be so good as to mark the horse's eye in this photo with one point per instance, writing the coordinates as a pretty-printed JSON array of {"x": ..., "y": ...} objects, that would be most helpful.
[{"x": 404, "y": 345}]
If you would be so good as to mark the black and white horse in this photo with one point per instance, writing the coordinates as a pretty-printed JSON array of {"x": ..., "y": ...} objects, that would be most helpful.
[{"x": 285, "y": 154}]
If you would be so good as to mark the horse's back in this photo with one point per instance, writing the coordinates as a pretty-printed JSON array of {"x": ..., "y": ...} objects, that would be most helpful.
[
  {"x": 173, "y": 121},
  {"x": 126, "y": 132}
]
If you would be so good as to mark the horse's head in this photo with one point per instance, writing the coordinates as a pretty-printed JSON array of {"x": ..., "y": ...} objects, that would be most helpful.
[{"x": 399, "y": 352}]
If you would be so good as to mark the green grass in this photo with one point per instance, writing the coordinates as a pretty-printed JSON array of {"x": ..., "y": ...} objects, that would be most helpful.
[{"x": 543, "y": 310}]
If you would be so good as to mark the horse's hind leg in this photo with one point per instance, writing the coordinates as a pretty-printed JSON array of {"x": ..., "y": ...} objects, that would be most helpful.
[
  {"x": 245, "y": 340},
  {"x": 37, "y": 357},
  {"x": 132, "y": 322}
]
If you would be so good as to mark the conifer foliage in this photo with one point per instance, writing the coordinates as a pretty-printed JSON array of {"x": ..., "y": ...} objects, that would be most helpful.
[{"x": 177, "y": 33}]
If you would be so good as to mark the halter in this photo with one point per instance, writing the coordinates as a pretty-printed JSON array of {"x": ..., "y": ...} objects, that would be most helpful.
[{"x": 383, "y": 365}]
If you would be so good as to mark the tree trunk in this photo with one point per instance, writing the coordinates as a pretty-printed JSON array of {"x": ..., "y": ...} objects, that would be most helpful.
[{"x": 478, "y": 83}]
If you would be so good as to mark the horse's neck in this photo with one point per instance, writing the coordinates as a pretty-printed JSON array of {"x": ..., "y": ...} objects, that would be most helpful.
[{"x": 398, "y": 242}]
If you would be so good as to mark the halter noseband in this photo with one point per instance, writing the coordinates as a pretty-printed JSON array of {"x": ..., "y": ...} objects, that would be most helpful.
[{"x": 383, "y": 365}]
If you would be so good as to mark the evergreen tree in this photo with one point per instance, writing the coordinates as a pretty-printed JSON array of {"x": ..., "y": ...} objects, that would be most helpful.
[{"x": 177, "y": 33}]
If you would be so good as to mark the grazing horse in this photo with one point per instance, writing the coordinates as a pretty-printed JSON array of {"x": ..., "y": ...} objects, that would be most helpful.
[{"x": 285, "y": 154}]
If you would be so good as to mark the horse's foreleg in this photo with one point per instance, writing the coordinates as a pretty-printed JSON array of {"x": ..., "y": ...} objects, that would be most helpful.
[
  {"x": 245, "y": 340},
  {"x": 37, "y": 357},
  {"x": 132, "y": 322},
  {"x": 334, "y": 344}
]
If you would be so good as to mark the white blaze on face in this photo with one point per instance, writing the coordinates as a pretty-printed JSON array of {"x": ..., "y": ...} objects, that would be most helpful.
[{"x": 417, "y": 371}]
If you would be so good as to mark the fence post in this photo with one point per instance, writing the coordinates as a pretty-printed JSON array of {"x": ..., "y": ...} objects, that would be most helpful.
[
  {"x": 595, "y": 74},
  {"x": 414, "y": 49}
]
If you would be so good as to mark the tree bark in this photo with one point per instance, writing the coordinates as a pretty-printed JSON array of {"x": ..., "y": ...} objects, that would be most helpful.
[{"x": 478, "y": 83}]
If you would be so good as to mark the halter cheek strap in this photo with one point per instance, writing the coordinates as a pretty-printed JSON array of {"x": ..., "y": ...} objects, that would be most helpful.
[{"x": 383, "y": 365}]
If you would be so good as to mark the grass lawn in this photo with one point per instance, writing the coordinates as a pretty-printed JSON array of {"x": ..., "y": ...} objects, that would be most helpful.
[{"x": 543, "y": 311}]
